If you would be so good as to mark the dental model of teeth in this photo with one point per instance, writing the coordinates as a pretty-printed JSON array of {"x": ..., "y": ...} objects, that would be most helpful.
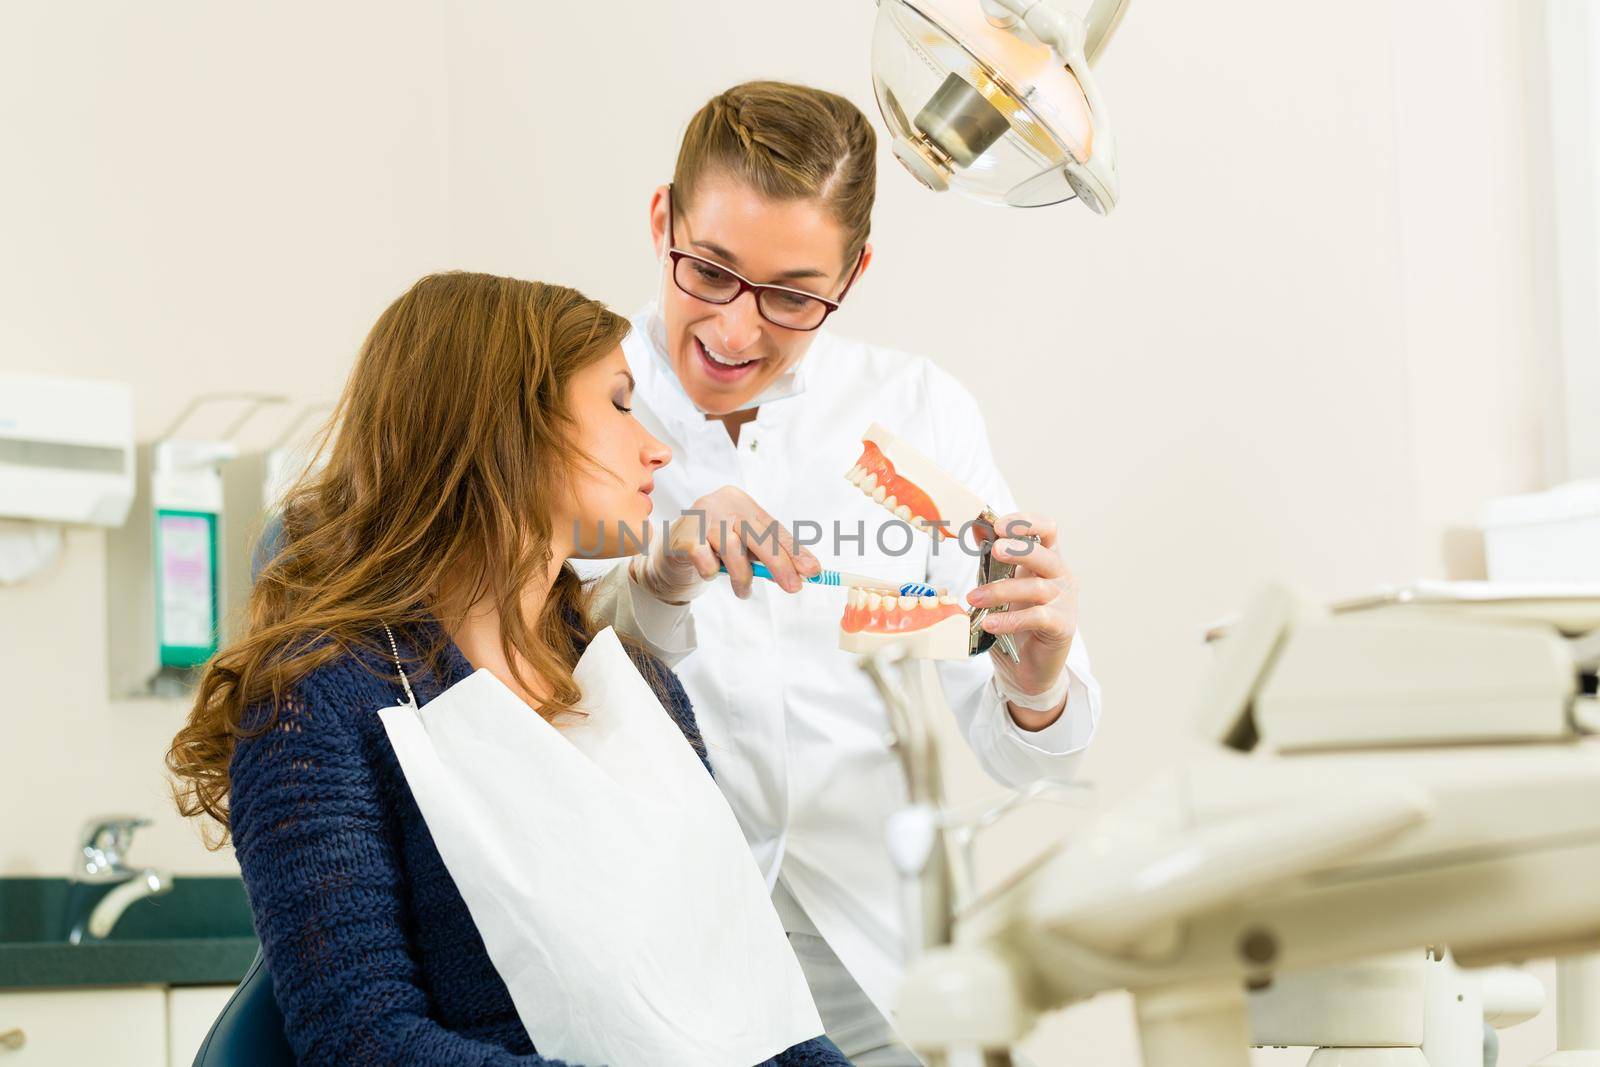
[
  {"x": 911, "y": 486},
  {"x": 932, "y": 627},
  {"x": 915, "y": 490}
]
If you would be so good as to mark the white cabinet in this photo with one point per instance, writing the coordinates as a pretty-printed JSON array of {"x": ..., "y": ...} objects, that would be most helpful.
[
  {"x": 145, "y": 1026},
  {"x": 190, "y": 1013},
  {"x": 72, "y": 1028}
]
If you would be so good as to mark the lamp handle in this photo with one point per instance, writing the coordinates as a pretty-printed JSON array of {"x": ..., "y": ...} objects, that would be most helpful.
[{"x": 1099, "y": 24}]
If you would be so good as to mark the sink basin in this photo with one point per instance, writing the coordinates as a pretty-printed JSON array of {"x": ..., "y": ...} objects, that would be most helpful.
[{"x": 197, "y": 934}]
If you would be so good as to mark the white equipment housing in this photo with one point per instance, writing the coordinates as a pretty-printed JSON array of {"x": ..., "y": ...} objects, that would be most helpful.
[
  {"x": 66, "y": 450},
  {"x": 1553, "y": 536}
]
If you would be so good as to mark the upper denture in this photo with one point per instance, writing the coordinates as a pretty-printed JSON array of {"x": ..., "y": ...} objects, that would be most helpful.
[{"x": 875, "y": 475}]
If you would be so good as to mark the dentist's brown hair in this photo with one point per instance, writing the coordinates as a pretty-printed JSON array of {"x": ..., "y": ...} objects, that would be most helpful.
[
  {"x": 451, "y": 442},
  {"x": 788, "y": 142}
]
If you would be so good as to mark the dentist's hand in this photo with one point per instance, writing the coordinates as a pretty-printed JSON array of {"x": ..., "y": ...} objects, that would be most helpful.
[
  {"x": 724, "y": 528},
  {"x": 1041, "y": 614}
]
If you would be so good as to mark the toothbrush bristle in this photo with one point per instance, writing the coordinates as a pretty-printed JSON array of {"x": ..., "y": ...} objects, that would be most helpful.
[{"x": 917, "y": 589}]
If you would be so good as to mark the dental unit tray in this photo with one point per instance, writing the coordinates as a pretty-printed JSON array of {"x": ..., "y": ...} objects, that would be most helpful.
[{"x": 1571, "y": 607}]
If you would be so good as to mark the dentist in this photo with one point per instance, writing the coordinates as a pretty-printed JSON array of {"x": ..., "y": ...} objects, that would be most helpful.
[{"x": 761, "y": 234}]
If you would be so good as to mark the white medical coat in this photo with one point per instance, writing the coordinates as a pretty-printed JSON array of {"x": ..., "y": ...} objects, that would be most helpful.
[{"x": 795, "y": 732}]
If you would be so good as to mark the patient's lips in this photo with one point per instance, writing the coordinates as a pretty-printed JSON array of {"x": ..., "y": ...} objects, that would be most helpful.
[
  {"x": 875, "y": 476},
  {"x": 871, "y": 612}
]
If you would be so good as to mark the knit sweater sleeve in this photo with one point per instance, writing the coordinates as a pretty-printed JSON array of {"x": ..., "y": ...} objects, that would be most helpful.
[
  {"x": 327, "y": 891},
  {"x": 818, "y": 1052}
]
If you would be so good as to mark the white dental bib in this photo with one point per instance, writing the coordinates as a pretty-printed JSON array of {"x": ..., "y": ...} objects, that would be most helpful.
[{"x": 613, "y": 889}]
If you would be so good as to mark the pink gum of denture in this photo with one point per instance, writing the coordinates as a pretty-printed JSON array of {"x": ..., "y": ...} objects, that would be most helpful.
[{"x": 896, "y": 619}]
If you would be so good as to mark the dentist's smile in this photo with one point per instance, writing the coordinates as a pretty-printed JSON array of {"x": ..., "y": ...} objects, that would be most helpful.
[{"x": 721, "y": 368}]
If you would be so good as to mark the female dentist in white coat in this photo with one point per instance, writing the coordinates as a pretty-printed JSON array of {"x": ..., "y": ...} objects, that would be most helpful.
[{"x": 761, "y": 233}]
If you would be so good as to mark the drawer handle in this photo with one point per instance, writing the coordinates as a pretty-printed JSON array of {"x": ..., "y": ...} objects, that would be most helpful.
[{"x": 12, "y": 1040}]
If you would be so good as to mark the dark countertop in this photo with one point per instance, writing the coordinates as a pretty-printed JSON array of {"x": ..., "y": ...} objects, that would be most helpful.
[{"x": 198, "y": 934}]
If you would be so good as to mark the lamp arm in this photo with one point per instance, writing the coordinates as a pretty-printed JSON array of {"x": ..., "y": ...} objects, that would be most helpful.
[{"x": 1065, "y": 32}]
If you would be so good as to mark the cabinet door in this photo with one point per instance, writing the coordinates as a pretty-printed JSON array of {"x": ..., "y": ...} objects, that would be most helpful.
[
  {"x": 190, "y": 1012},
  {"x": 78, "y": 1027}
]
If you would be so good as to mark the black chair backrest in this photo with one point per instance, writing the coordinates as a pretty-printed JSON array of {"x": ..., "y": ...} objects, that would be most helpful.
[{"x": 249, "y": 1032}]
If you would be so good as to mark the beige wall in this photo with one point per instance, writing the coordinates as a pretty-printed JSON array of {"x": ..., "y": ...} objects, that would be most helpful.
[
  {"x": 194, "y": 199},
  {"x": 1306, "y": 346}
]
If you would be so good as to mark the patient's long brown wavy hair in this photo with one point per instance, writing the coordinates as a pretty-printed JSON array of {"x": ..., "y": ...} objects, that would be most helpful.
[{"x": 444, "y": 455}]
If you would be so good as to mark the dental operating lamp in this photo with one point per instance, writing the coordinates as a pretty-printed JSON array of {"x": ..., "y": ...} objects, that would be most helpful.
[{"x": 997, "y": 100}]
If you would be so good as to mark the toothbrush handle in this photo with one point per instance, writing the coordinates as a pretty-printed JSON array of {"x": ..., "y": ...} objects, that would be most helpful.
[
  {"x": 843, "y": 578},
  {"x": 862, "y": 581},
  {"x": 760, "y": 570}
]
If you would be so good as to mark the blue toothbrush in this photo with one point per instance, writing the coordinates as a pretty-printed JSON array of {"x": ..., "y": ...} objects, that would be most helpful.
[{"x": 846, "y": 578}]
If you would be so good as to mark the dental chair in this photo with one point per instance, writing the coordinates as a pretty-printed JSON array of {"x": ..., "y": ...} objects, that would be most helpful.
[{"x": 249, "y": 1032}]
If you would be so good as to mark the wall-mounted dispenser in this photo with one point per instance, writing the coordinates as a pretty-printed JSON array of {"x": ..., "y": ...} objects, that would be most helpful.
[
  {"x": 167, "y": 570},
  {"x": 66, "y": 458}
]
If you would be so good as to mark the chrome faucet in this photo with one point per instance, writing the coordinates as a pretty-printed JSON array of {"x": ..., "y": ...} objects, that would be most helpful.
[{"x": 99, "y": 861}]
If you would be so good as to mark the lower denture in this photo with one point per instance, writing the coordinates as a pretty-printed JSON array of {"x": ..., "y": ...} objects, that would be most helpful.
[{"x": 895, "y": 620}]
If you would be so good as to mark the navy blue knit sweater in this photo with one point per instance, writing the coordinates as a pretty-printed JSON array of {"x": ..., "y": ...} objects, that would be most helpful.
[{"x": 373, "y": 955}]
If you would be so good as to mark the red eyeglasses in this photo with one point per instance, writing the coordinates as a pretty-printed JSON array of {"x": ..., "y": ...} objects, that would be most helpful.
[{"x": 793, "y": 309}]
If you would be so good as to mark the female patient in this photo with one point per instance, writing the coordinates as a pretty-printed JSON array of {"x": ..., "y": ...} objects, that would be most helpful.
[{"x": 485, "y": 429}]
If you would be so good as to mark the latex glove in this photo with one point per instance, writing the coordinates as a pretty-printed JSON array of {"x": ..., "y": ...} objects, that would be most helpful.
[
  {"x": 724, "y": 528},
  {"x": 1041, "y": 615}
]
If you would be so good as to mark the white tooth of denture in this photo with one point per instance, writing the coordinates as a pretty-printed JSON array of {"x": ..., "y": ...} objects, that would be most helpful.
[
  {"x": 879, "y": 493},
  {"x": 907, "y": 603},
  {"x": 858, "y": 597},
  {"x": 856, "y": 474},
  {"x": 930, "y": 601},
  {"x": 869, "y": 483},
  {"x": 874, "y": 601},
  {"x": 890, "y": 502},
  {"x": 947, "y": 599},
  {"x": 904, "y": 513}
]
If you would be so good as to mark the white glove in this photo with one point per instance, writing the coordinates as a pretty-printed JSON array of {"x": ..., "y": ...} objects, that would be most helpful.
[
  {"x": 723, "y": 529},
  {"x": 1042, "y": 613}
]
